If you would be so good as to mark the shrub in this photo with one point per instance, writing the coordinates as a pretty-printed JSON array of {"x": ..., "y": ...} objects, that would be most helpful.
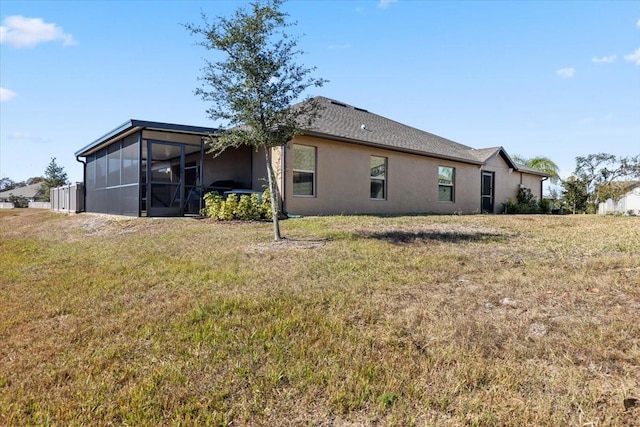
[
  {"x": 228, "y": 208},
  {"x": 212, "y": 203},
  {"x": 510, "y": 207},
  {"x": 265, "y": 205},
  {"x": 526, "y": 203},
  {"x": 19, "y": 201},
  {"x": 544, "y": 206},
  {"x": 247, "y": 208}
]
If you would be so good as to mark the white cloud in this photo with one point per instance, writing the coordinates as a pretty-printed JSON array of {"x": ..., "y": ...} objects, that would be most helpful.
[
  {"x": 605, "y": 59},
  {"x": 566, "y": 73},
  {"x": 383, "y": 4},
  {"x": 638, "y": 23},
  {"x": 6, "y": 94},
  {"x": 634, "y": 57},
  {"x": 20, "y": 31},
  {"x": 25, "y": 136}
]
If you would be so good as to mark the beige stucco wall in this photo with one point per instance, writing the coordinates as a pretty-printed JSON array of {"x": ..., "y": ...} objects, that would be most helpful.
[
  {"x": 259, "y": 170},
  {"x": 507, "y": 182},
  {"x": 232, "y": 164},
  {"x": 343, "y": 182}
]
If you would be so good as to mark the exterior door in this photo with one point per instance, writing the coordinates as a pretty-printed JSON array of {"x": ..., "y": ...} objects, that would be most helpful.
[
  {"x": 488, "y": 179},
  {"x": 165, "y": 183}
]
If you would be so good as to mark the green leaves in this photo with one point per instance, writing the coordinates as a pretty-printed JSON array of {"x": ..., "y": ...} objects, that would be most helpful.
[
  {"x": 258, "y": 79},
  {"x": 253, "y": 87}
]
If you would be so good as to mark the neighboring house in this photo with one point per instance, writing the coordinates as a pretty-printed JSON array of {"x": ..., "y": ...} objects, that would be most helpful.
[
  {"x": 350, "y": 161},
  {"x": 29, "y": 193},
  {"x": 629, "y": 203}
]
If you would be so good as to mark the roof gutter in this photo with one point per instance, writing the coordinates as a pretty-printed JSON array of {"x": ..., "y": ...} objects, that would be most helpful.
[{"x": 544, "y": 178}]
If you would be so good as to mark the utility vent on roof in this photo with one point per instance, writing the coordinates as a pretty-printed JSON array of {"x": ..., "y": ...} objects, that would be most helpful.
[
  {"x": 339, "y": 103},
  {"x": 360, "y": 109}
]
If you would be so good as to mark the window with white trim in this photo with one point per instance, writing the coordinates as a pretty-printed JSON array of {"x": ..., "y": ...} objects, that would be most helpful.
[
  {"x": 446, "y": 183},
  {"x": 304, "y": 170},
  {"x": 378, "y": 168}
]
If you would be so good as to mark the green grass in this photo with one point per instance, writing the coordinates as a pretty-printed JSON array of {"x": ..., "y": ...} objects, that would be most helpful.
[{"x": 415, "y": 320}]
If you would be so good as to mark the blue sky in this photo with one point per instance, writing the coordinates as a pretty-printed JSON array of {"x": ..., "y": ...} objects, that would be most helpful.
[{"x": 558, "y": 79}]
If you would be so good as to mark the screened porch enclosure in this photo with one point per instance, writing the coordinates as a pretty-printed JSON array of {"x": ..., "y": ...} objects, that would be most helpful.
[
  {"x": 158, "y": 169},
  {"x": 145, "y": 177}
]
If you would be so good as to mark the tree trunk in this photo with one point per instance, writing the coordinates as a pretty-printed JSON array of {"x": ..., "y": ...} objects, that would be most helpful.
[{"x": 275, "y": 197}]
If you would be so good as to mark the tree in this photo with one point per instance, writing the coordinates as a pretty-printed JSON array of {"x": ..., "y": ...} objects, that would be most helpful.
[
  {"x": 611, "y": 190},
  {"x": 34, "y": 180},
  {"x": 596, "y": 170},
  {"x": 54, "y": 176},
  {"x": 7, "y": 184},
  {"x": 252, "y": 90},
  {"x": 542, "y": 164},
  {"x": 575, "y": 194}
]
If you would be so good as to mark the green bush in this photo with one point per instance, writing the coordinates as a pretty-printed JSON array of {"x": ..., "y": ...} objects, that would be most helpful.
[
  {"x": 526, "y": 203},
  {"x": 212, "y": 203},
  {"x": 544, "y": 206},
  {"x": 247, "y": 208},
  {"x": 510, "y": 207},
  {"x": 228, "y": 208},
  {"x": 265, "y": 205}
]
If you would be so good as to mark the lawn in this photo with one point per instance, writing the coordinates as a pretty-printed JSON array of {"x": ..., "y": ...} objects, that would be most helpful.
[{"x": 354, "y": 320}]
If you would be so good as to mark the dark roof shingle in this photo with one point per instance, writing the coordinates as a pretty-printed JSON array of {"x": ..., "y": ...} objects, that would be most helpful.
[{"x": 343, "y": 121}]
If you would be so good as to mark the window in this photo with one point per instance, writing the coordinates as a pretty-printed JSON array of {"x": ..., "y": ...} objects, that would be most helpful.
[
  {"x": 378, "y": 177},
  {"x": 446, "y": 179},
  {"x": 304, "y": 170}
]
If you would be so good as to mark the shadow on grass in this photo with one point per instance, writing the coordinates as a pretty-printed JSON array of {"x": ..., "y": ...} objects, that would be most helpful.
[{"x": 399, "y": 237}]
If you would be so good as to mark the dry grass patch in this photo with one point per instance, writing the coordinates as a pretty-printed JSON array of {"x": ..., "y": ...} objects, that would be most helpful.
[{"x": 417, "y": 320}]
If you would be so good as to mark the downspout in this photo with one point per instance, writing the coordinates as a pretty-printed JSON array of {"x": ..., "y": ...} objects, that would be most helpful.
[
  {"x": 84, "y": 183},
  {"x": 544, "y": 178},
  {"x": 283, "y": 180}
]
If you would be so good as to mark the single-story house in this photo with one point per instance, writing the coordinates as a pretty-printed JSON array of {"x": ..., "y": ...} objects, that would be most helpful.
[
  {"x": 629, "y": 203},
  {"x": 29, "y": 193},
  {"x": 349, "y": 161}
]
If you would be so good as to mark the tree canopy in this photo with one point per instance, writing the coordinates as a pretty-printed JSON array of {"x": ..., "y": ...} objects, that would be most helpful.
[
  {"x": 599, "y": 177},
  {"x": 603, "y": 168},
  {"x": 54, "y": 176},
  {"x": 540, "y": 163},
  {"x": 253, "y": 88}
]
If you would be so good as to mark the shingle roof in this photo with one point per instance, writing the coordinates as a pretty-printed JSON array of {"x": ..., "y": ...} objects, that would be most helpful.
[
  {"x": 346, "y": 122},
  {"x": 342, "y": 121},
  {"x": 484, "y": 154},
  {"x": 28, "y": 191}
]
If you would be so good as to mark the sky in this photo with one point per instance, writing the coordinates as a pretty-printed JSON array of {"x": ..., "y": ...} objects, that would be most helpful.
[{"x": 540, "y": 78}]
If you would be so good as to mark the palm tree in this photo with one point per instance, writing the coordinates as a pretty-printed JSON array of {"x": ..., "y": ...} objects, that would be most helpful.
[{"x": 540, "y": 163}]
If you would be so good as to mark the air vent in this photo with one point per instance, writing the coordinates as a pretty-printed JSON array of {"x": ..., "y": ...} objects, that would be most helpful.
[
  {"x": 339, "y": 103},
  {"x": 360, "y": 109}
]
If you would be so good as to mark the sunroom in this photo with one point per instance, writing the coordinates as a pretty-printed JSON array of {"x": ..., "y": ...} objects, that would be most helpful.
[{"x": 144, "y": 168}]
